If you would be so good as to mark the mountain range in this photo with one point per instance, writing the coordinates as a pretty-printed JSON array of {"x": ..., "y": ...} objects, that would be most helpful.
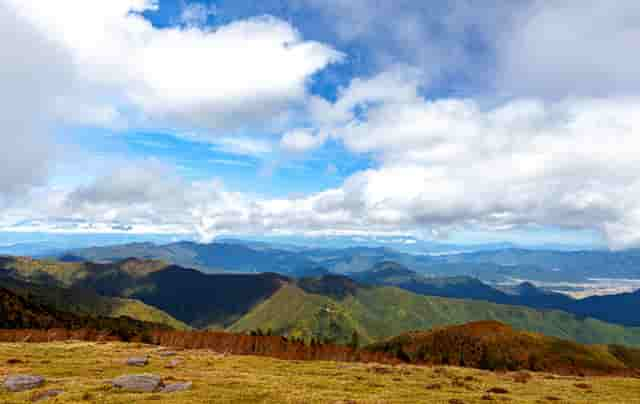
[
  {"x": 332, "y": 307},
  {"x": 617, "y": 308},
  {"x": 497, "y": 265}
]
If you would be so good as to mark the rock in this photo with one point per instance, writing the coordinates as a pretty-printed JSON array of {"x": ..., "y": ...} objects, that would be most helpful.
[
  {"x": 498, "y": 390},
  {"x": 174, "y": 387},
  {"x": 167, "y": 353},
  {"x": 43, "y": 395},
  {"x": 145, "y": 383},
  {"x": 23, "y": 382},
  {"x": 138, "y": 361},
  {"x": 172, "y": 364}
]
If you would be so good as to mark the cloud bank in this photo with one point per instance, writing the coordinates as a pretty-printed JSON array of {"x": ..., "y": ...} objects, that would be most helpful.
[{"x": 547, "y": 134}]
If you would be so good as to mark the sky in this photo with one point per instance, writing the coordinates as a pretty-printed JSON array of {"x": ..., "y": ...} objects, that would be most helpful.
[{"x": 454, "y": 121}]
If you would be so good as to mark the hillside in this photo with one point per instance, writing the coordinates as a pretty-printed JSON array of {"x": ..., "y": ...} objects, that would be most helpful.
[
  {"x": 331, "y": 307},
  {"x": 198, "y": 299},
  {"x": 610, "y": 308},
  {"x": 377, "y": 313},
  {"x": 54, "y": 284},
  {"x": 495, "y": 346},
  {"x": 84, "y": 302},
  {"x": 19, "y": 312}
]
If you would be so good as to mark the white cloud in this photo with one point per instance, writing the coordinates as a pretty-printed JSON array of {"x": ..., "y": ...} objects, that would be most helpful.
[
  {"x": 229, "y": 162},
  {"x": 301, "y": 141},
  {"x": 575, "y": 48},
  {"x": 242, "y": 146},
  {"x": 234, "y": 76},
  {"x": 441, "y": 38},
  {"x": 522, "y": 48},
  {"x": 455, "y": 163},
  {"x": 563, "y": 152},
  {"x": 27, "y": 99}
]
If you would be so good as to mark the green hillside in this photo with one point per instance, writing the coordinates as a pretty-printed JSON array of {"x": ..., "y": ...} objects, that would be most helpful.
[
  {"x": 198, "y": 299},
  {"x": 331, "y": 307},
  {"x": 376, "y": 313},
  {"x": 495, "y": 346},
  {"x": 20, "y": 312},
  {"x": 46, "y": 285}
]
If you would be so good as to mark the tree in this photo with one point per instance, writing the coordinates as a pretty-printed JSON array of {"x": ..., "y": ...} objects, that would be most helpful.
[{"x": 355, "y": 340}]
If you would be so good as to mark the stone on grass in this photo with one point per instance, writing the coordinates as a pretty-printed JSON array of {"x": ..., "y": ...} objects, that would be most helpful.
[
  {"x": 43, "y": 395},
  {"x": 173, "y": 363},
  {"x": 167, "y": 353},
  {"x": 174, "y": 387},
  {"x": 23, "y": 382},
  {"x": 145, "y": 383},
  {"x": 138, "y": 361}
]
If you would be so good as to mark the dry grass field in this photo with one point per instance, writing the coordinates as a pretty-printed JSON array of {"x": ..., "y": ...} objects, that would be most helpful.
[{"x": 83, "y": 371}]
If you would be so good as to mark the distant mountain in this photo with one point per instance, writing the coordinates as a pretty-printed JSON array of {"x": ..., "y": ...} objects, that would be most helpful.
[
  {"x": 491, "y": 265},
  {"x": 463, "y": 287},
  {"x": 357, "y": 259},
  {"x": 617, "y": 309},
  {"x": 311, "y": 272},
  {"x": 564, "y": 265},
  {"x": 334, "y": 307},
  {"x": 214, "y": 257},
  {"x": 620, "y": 308},
  {"x": 33, "y": 249},
  {"x": 495, "y": 346}
]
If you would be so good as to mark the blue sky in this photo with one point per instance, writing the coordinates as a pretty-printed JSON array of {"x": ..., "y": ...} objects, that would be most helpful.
[{"x": 453, "y": 121}]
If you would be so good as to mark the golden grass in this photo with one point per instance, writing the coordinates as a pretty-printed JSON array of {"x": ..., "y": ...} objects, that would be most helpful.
[{"x": 83, "y": 370}]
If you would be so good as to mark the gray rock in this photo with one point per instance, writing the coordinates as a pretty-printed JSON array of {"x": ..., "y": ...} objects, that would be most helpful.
[
  {"x": 173, "y": 363},
  {"x": 43, "y": 395},
  {"x": 174, "y": 387},
  {"x": 167, "y": 353},
  {"x": 138, "y": 361},
  {"x": 145, "y": 383},
  {"x": 23, "y": 382}
]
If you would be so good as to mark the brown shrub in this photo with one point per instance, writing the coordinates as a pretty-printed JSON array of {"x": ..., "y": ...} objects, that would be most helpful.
[{"x": 522, "y": 377}]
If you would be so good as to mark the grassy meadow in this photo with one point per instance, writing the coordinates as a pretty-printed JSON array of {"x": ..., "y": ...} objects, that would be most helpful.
[{"x": 83, "y": 371}]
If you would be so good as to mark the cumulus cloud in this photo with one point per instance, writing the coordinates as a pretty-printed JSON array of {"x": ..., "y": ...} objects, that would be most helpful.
[
  {"x": 561, "y": 151},
  {"x": 242, "y": 146},
  {"x": 441, "y": 38},
  {"x": 76, "y": 63},
  {"x": 576, "y": 48},
  {"x": 27, "y": 100},
  {"x": 521, "y": 47},
  {"x": 443, "y": 165},
  {"x": 456, "y": 163},
  {"x": 301, "y": 141},
  {"x": 225, "y": 78}
]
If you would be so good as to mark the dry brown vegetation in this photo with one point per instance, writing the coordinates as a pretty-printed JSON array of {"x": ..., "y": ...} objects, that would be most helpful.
[
  {"x": 83, "y": 371},
  {"x": 495, "y": 346}
]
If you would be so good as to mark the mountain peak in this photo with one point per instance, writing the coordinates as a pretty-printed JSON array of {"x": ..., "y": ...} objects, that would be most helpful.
[
  {"x": 331, "y": 285},
  {"x": 391, "y": 267}
]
